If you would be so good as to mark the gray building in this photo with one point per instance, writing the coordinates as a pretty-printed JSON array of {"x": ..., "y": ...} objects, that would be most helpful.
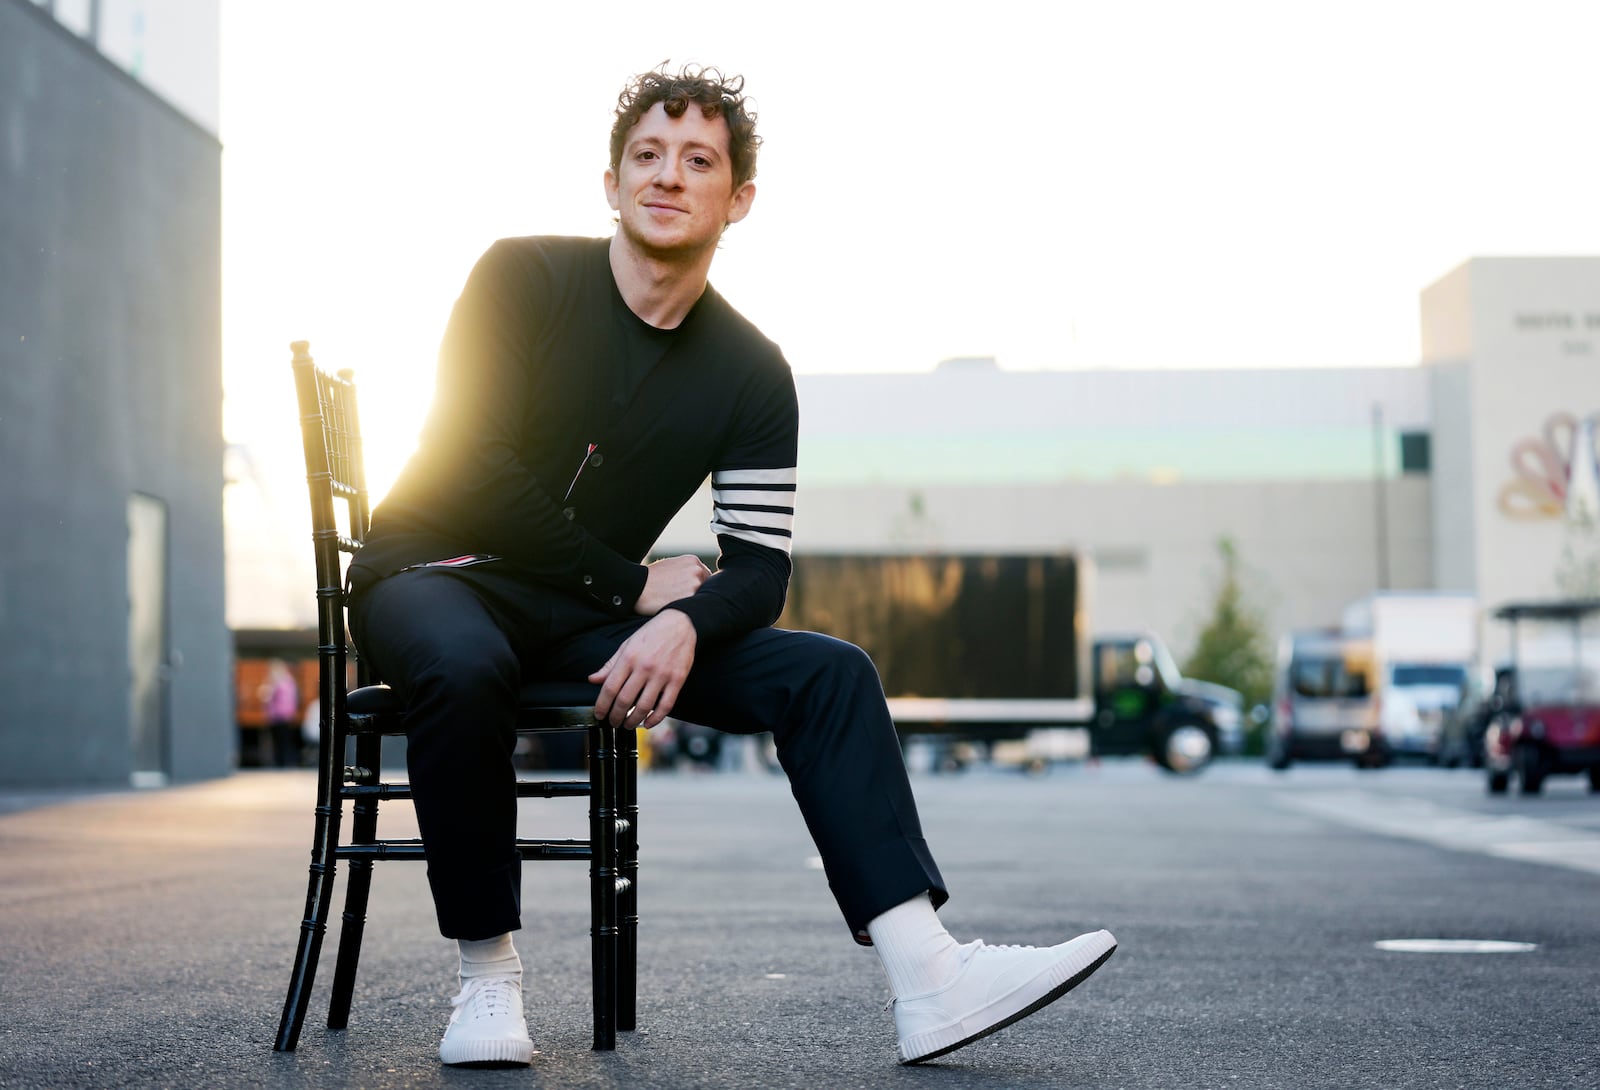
[{"x": 114, "y": 653}]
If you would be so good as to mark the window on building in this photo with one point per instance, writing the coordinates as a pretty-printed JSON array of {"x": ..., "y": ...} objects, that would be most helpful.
[{"x": 1416, "y": 452}]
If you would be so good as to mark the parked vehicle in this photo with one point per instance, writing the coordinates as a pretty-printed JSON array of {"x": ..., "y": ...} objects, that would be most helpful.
[
  {"x": 1226, "y": 709},
  {"x": 1143, "y": 704},
  {"x": 1550, "y": 722},
  {"x": 1461, "y": 741},
  {"x": 991, "y": 647},
  {"x": 1324, "y": 706},
  {"x": 1424, "y": 649}
]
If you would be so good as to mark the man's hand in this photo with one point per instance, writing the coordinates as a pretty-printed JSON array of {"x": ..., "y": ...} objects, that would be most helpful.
[
  {"x": 667, "y": 580},
  {"x": 640, "y": 683}
]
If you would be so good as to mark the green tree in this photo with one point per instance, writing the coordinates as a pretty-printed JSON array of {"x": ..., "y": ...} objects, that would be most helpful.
[{"x": 1235, "y": 646}]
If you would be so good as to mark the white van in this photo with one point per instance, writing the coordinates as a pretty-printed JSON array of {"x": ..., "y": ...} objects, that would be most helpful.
[{"x": 1324, "y": 705}]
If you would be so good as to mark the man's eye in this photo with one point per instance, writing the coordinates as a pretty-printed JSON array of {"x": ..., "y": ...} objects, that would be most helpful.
[
  {"x": 700, "y": 161},
  {"x": 645, "y": 156}
]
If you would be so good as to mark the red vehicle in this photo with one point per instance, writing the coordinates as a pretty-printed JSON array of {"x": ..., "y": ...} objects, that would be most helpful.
[{"x": 1549, "y": 722}]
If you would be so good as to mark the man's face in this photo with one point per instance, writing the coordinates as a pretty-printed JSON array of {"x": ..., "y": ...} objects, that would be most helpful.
[{"x": 673, "y": 188}]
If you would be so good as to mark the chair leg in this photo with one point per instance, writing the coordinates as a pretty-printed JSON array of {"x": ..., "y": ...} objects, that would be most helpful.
[
  {"x": 628, "y": 871},
  {"x": 603, "y": 881},
  {"x": 319, "y": 894},
  {"x": 363, "y": 830}
]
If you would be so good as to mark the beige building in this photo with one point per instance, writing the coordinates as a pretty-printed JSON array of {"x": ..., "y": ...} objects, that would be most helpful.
[
  {"x": 1512, "y": 346},
  {"x": 1145, "y": 472}
]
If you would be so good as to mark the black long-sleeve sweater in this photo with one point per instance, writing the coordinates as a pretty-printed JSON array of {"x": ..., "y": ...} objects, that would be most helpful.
[{"x": 556, "y": 445}]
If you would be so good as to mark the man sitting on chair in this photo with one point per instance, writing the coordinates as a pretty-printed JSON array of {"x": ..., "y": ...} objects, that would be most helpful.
[{"x": 586, "y": 388}]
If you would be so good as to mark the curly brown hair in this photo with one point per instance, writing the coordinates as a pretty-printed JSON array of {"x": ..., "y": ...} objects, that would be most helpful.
[{"x": 708, "y": 88}]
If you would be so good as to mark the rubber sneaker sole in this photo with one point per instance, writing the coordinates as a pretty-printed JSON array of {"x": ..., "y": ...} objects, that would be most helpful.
[
  {"x": 497, "y": 1053},
  {"x": 936, "y": 1043}
]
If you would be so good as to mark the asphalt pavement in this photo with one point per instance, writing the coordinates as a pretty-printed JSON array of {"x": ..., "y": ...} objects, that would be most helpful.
[{"x": 145, "y": 937}]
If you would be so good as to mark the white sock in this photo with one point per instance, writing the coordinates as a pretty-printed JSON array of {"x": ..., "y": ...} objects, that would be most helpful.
[
  {"x": 918, "y": 954},
  {"x": 489, "y": 957}
]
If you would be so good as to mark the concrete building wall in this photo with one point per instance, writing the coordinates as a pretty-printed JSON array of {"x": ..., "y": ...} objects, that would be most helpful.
[
  {"x": 1143, "y": 472},
  {"x": 1455, "y": 553},
  {"x": 1526, "y": 334},
  {"x": 171, "y": 46},
  {"x": 110, "y": 386}
]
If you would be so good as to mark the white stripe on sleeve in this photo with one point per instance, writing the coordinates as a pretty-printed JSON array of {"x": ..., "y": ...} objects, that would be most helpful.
[
  {"x": 726, "y": 477},
  {"x": 755, "y": 505}
]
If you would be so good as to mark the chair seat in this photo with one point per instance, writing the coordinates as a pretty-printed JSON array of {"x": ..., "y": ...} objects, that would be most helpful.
[{"x": 537, "y": 696}]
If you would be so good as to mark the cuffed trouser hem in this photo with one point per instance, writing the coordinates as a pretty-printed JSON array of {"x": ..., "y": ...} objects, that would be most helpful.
[
  {"x": 480, "y": 908},
  {"x": 898, "y": 875}
]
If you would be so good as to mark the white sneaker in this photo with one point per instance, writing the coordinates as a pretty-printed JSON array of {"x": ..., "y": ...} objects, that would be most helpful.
[
  {"x": 487, "y": 1025},
  {"x": 995, "y": 986}
]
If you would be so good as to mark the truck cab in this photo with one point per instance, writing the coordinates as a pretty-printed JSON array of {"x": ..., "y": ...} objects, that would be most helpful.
[{"x": 1144, "y": 704}]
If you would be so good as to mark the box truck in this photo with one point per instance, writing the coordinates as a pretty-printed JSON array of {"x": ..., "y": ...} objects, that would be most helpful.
[
  {"x": 1424, "y": 648},
  {"x": 994, "y": 648}
]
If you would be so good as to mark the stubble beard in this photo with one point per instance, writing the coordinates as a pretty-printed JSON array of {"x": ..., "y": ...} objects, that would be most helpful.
[{"x": 680, "y": 253}]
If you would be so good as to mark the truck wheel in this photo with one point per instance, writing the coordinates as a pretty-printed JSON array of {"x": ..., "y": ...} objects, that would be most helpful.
[
  {"x": 1185, "y": 750},
  {"x": 1498, "y": 782},
  {"x": 1594, "y": 777}
]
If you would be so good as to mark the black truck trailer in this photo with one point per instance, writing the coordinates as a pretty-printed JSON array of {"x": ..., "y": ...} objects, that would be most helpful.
[{"x": 995, "y": 647}]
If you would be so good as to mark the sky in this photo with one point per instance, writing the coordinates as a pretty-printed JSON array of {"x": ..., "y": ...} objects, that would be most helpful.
[{"x": 1067, "y": 185}]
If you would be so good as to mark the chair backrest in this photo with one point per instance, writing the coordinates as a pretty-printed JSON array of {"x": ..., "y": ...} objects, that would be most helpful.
[{"x": 330, "y": 428}]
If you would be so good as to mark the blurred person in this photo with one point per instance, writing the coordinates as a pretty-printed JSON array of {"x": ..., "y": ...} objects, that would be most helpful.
[
  {"x": 280, "y": 697},
  {"x": 586, "y": 388}
]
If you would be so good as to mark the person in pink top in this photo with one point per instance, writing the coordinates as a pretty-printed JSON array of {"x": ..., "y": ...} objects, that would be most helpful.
[{"x": 281, "y": 698}]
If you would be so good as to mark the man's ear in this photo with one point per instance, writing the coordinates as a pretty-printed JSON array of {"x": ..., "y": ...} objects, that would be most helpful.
[
  {"x": 613, "y": 196},
  {"x": 739, "y": 206}
]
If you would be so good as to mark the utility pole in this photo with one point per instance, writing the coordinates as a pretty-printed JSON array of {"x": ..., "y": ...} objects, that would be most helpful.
[{"x": 1379, "y": 493}]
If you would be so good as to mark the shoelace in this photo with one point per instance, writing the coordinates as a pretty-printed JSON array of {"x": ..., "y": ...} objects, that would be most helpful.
[{"x": 489, "y": 996}]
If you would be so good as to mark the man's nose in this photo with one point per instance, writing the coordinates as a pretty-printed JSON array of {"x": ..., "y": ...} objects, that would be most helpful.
[{"x": 669, "y": 175}]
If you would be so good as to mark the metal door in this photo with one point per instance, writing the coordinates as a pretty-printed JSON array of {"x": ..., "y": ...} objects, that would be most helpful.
[{"x": 147, "y": 639}]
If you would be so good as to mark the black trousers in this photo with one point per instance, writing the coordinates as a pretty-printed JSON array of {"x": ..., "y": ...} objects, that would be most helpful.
[{"x": 457, "y": 643}]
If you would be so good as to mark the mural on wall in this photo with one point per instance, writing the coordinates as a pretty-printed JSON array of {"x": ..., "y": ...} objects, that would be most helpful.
[{"x": 1557, "y": 474}]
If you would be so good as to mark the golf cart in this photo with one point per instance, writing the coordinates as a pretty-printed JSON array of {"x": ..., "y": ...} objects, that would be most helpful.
[{"x": 1548, "y": 722}]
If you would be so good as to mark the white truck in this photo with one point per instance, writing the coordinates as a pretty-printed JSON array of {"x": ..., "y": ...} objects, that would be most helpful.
[{"x": 1425, "y": 645}]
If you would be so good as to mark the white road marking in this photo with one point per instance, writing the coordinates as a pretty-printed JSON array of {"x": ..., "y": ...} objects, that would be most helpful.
[
  {"x": 1456, "y": 946},
  {"x": 1525, "y": 839}
]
